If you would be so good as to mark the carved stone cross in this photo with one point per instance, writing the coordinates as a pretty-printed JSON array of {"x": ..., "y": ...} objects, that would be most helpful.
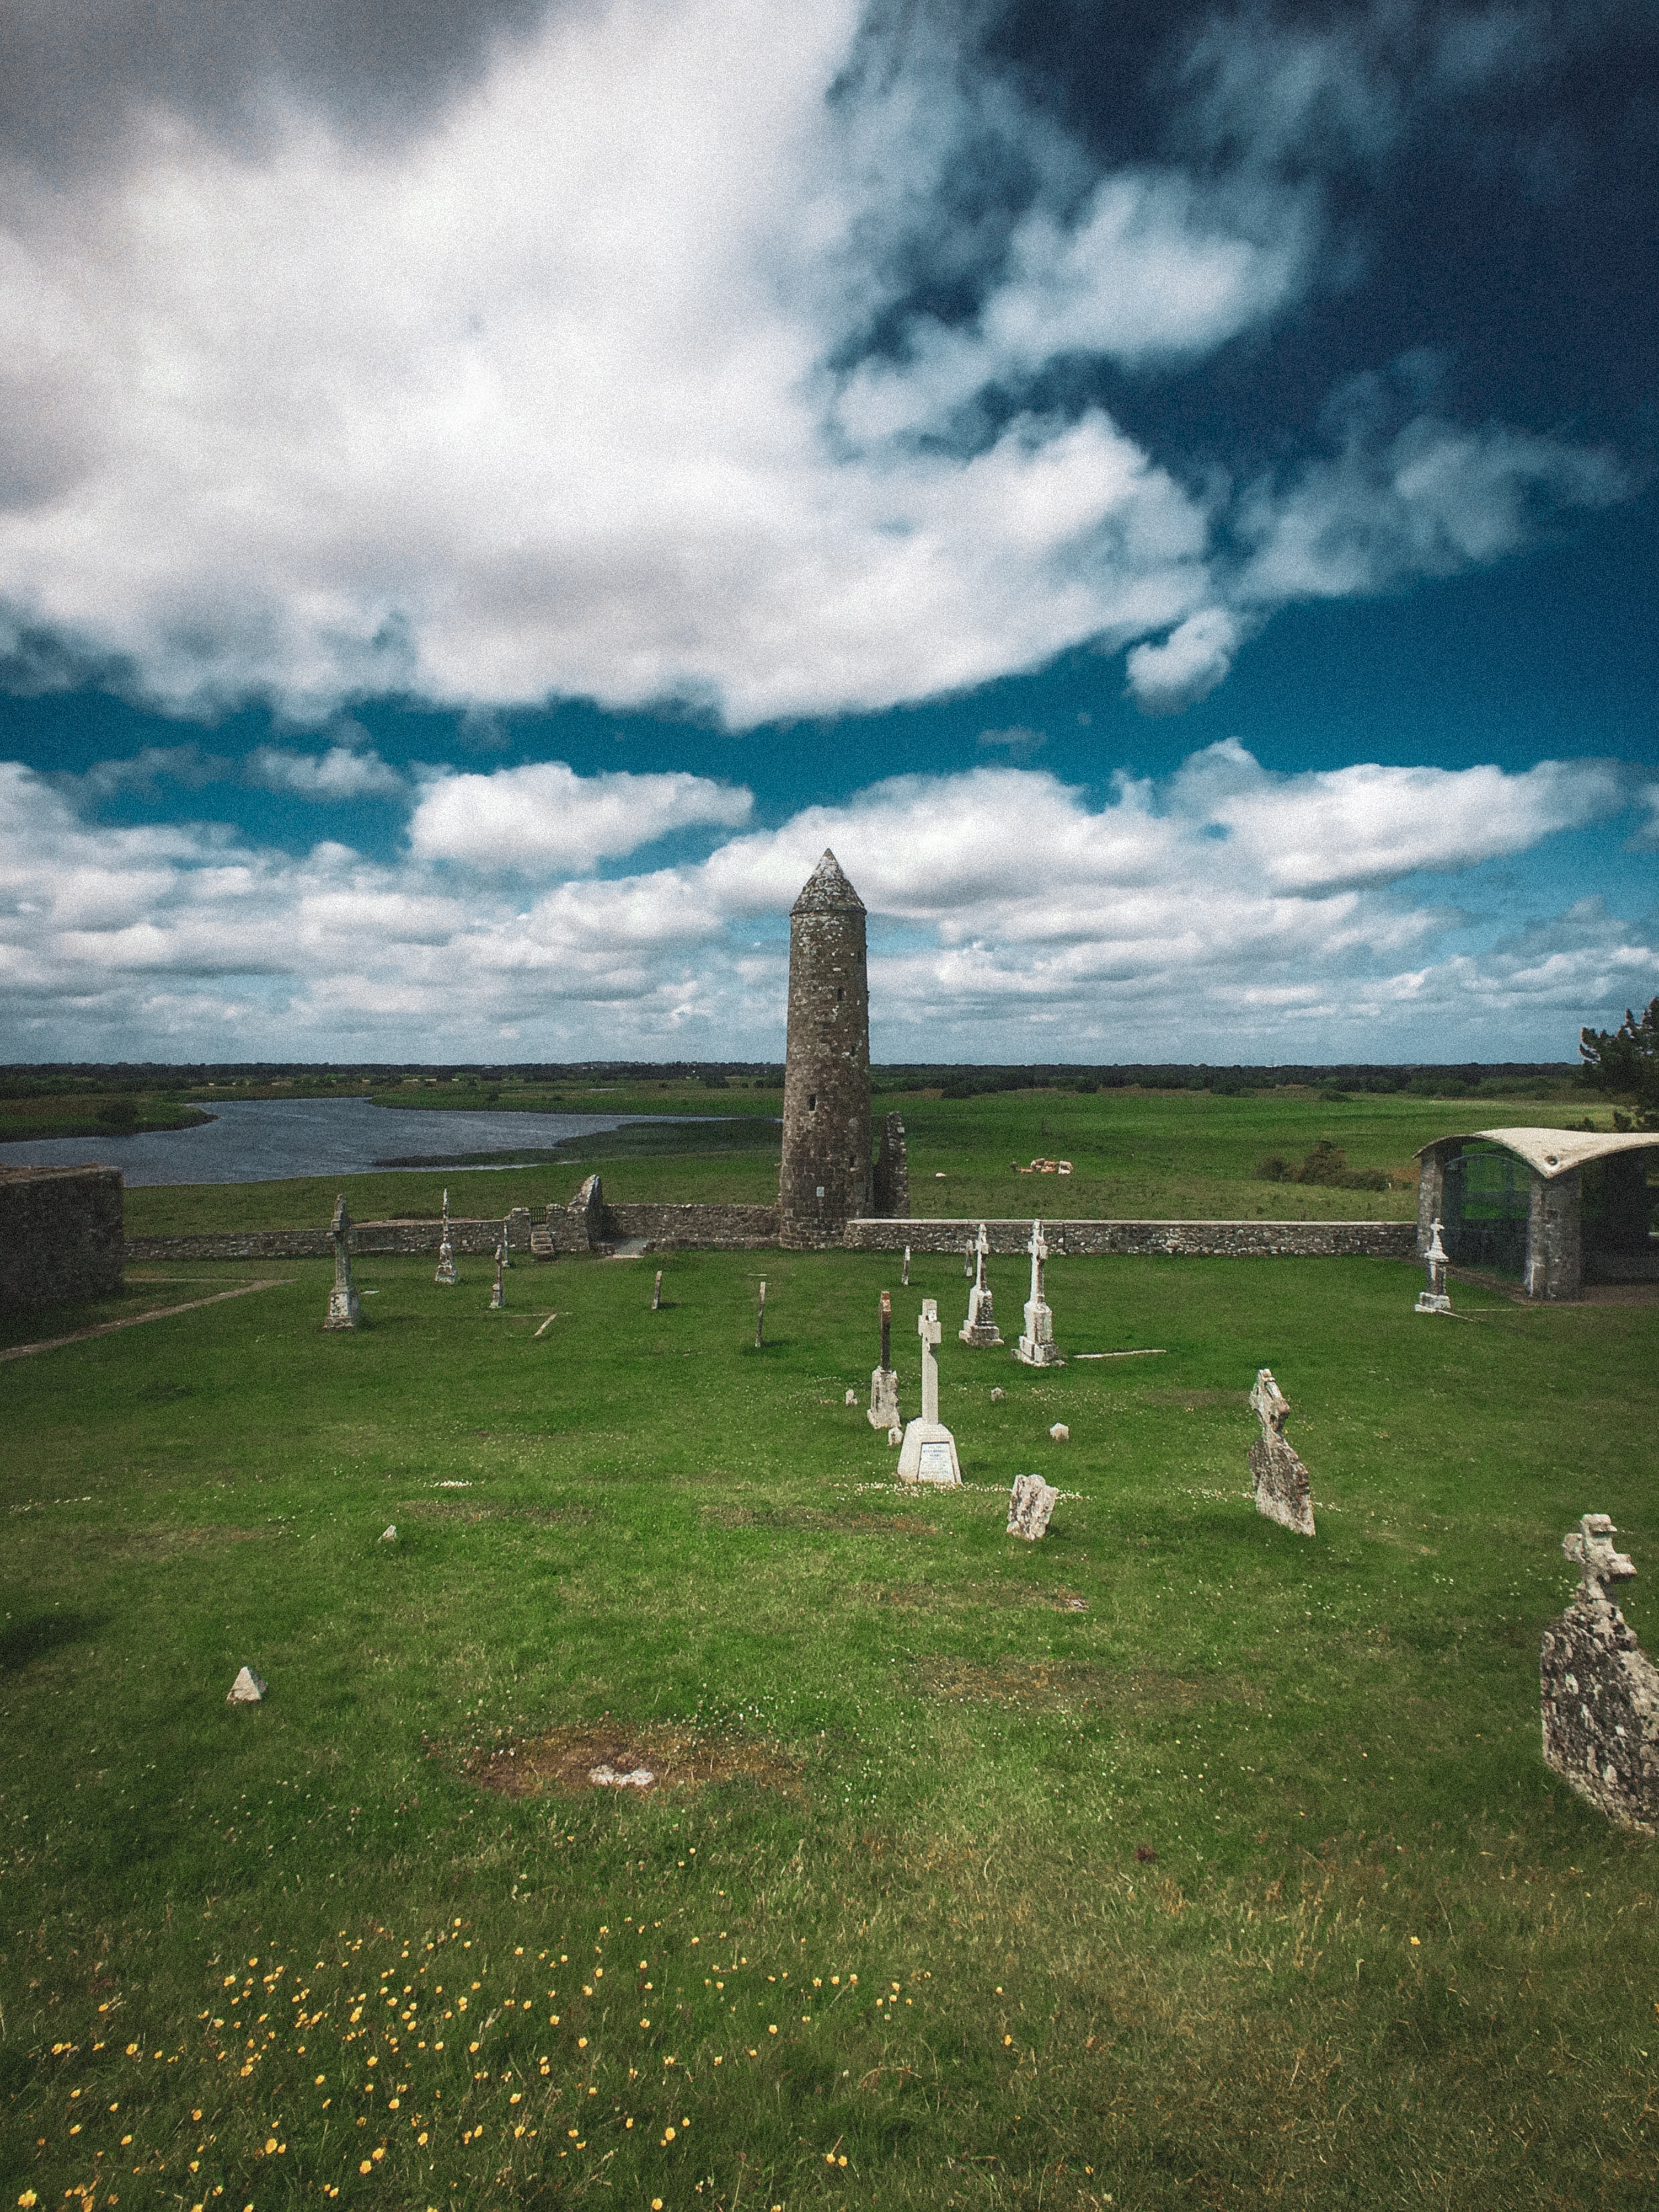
[
  {"x": 928, "y": 1329},
  {"x": 1037, "y": 1247}
]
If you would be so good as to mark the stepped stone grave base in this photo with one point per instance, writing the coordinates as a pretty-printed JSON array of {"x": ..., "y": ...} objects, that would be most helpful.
[{"x": 929, "y": 1455}]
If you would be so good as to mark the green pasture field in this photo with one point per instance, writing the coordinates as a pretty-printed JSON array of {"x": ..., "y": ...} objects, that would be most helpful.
[
  {"x": 1183, "y": 1155},
  {"x": 1176, "y": 1861},
  {"x": 66, "y": 1115}
]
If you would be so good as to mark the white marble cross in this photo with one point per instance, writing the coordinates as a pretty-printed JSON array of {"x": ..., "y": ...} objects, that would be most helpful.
[
  {"x": 928, "y": 1329},
  {"x": 1039, "y": 1251},
  {"x": 1434, "y": 1298}
]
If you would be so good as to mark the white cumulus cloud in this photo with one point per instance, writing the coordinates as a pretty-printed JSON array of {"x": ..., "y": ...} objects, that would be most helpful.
[
  {"x": 1223, "y": 913},
  {"x": 575, "y": 388},
  {"x": 546, "y": 817},
  {"x": 343, "y": 772}
]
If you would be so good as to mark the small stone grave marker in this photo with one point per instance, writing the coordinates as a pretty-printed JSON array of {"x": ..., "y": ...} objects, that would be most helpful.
[
  {"x": 883, "y": 1382},
  {"x": 1278, "y": 1476},
  {"x": 1600, "y": 1691},
  {"x": 1030, "y": 1502},
  {"x": 248, "y": 1689}
]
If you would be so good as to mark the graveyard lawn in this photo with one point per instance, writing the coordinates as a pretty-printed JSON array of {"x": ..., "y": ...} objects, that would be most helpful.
[{"x": 1173, "y": 1860}]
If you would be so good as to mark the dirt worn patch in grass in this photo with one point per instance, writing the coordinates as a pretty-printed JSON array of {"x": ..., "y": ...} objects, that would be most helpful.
[{"x": 563, "y": 1760}]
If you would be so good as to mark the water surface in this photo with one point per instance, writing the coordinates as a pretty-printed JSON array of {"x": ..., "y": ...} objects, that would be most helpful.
[{"x": 269, "y": 1139}]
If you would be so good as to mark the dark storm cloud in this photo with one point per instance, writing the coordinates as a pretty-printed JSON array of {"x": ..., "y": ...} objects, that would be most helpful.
[{"x": 74, "y": 79}]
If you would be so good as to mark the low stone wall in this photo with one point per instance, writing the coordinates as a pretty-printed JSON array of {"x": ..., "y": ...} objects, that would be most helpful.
[
  {"x": 737, "y": 1227},
  {"x": 60, "y": 1235},
  {"x": 752, "y": 1228},
  {"x": 367, "y": 1239},
  {"x": 1367, "y": 1240}
]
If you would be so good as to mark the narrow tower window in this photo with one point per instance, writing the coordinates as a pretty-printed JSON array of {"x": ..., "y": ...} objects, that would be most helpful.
[{"x": 811, "y": 1102}]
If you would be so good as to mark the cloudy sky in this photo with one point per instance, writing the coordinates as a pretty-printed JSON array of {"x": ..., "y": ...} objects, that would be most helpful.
[{"x": 490, "y": 488}]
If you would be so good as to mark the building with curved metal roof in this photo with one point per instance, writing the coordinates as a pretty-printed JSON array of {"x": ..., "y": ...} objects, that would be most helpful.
[{"x": 1556, "y": 1208}]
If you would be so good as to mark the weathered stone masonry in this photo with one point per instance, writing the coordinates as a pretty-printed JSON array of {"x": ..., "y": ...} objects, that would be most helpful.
[
  {"x": 583, "y": 1226},
  {"x": 1367, "y": 1240},
  {"x": 826, "y": 1175},
  {"x": 587, "y": 1223},
  {"x": 60, "y": 1235}
]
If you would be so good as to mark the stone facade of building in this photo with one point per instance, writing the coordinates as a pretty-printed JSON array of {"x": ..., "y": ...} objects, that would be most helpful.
[
  {"x": 892, "y": 1183},
  {"x": 826, "y": 1178},
  {"x": 60, "y": 1235}
]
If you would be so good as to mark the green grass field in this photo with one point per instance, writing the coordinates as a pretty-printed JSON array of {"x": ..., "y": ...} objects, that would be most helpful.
[
  {"x": 1157, "y": 1155},
  {"x": 1173, "y": 1861}
]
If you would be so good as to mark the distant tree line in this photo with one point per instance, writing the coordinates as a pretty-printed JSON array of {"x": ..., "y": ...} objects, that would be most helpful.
[
  {"x": 1333, "y": 1081},
  {"x": 1633, "y": 1047}
]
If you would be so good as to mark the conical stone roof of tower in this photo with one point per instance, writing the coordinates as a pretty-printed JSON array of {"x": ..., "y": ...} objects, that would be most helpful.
[{"x": 827, "y": 890}]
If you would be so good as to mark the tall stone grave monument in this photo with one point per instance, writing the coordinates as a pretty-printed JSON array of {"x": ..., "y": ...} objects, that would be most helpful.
[
  {"x": 883, "y": 1382},
  {"x": 1036, "y": 1347},
  {"x": 981, "y": 1326},
  {"x": 498, "y": 1288},
  {"x": 825, "y": 1179},
  {"x": 1276, "y": 1475},
  {"x": 929, "y": 1452},
  {"x": 446, "y": 1273},
  {"x": 1433, "y": 1299},
  {"x": 1601, "y": 1691},
  {"x": 344, "y": 1309}
]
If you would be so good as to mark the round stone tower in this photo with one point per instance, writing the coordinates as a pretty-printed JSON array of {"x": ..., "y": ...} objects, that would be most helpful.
[{"x": 826, "y": 1085}]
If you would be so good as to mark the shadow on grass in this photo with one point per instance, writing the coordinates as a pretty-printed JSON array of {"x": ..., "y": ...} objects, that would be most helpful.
[{"x": 23, "y": 1641}]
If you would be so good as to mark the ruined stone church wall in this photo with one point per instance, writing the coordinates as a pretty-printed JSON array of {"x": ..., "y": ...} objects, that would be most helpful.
[{"x": 60, "y": 1235}]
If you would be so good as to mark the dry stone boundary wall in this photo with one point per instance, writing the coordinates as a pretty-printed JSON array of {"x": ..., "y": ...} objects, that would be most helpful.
[
  {"x": 592, "y": 1223},
  {"x": 1368, "y": 1240}
]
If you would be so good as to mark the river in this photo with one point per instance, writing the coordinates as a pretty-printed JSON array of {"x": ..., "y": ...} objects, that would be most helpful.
[{"x": 268, "y": 1139}]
